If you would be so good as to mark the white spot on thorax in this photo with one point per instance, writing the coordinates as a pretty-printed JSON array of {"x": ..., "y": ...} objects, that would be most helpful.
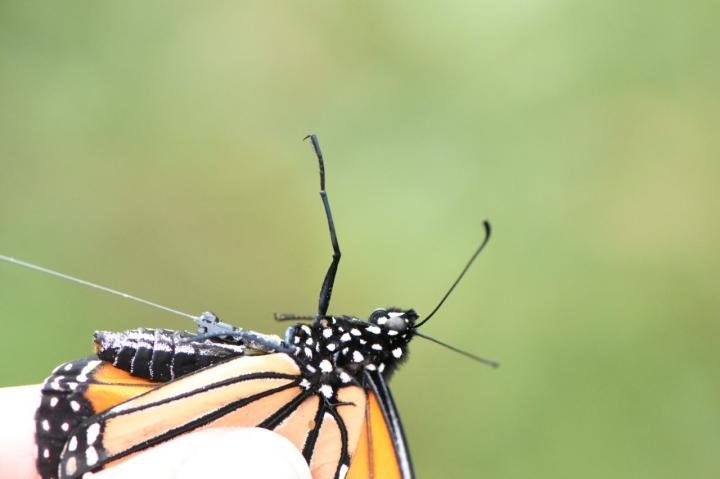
[
  {"x": 327, "y": 332},
  {"x": 45, "y": 425},
  {"x": 53, "y": 401},
  {"x": 75, "y": 406},
  {"x": 68, "y": 366},
  {"x": 331, "y": 347},
  {"x": 376, "y": 347},
  {"x": 65, "y": 426},
  {"x": 46, "y": 453},
  {"x": 345, "y": 337},
  {"x": 326, "y": 390}
]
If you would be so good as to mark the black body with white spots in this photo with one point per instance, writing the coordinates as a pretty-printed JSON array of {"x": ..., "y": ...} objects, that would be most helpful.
[{"x": 331, "y": 355}]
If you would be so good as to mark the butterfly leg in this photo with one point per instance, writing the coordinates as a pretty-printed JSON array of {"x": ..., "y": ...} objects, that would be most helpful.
[
  {"x": 294, "y": 317},
  {"x": 327, "y": 286}
]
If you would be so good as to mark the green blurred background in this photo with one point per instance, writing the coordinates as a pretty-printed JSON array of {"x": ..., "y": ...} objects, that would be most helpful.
[{"x": 156, "y": 148}]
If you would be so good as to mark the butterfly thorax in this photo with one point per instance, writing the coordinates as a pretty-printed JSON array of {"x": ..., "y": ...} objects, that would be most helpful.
[{"x": 336, "y": 351}]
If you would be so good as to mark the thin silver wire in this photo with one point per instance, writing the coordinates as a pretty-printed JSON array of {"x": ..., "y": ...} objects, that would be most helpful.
[{"x": 96, "y": 286}]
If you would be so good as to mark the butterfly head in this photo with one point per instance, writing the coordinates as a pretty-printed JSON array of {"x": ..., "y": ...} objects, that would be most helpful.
[{"x": 400, "y": 321}]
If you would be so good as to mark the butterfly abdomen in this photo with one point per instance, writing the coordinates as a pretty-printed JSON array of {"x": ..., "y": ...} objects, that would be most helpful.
[{"x": 161, "y": 354}]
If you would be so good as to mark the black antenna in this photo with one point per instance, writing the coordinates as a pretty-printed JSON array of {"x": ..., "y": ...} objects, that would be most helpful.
[
  {"x": 327, "y": 285},
  {"x": 486, "y": 224},
  {"x": 488, "y": 362}
]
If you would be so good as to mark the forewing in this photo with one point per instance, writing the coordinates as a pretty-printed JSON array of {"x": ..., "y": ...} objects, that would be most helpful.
[
  {"x": 382, "y": 450},
  {"x": 75, "y": 391},
  {"x": 240, "y": 392}
]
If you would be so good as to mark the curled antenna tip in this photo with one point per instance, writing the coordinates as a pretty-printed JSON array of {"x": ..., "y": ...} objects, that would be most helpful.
[{"x": 486, "y": 225}]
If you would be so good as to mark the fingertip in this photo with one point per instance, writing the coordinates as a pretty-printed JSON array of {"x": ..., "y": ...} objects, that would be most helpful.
[{"x": 216, "y": 452}]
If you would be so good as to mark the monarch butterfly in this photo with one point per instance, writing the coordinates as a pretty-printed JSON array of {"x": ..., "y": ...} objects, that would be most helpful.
[{"x": 323, "y": 386}]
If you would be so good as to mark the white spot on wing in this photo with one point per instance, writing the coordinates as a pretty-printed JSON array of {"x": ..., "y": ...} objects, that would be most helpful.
[
  {"x": 331, "y": 347},
  {"x": 355, "y": 332},
  {"x": 327, "y": 332},
  {"x": 358, "y": 357},
  {"x": 343, "y": 471},
  {"x": 91, "y": 456},
  {"x": 397, "y": 352},
  {"x": 82, "y": 377},
  {"x": 325, "y": 366},
  {"x": 75, "y": 406},
  {"x": 46, "y": 453},
  {"x": 45, "y": 425},
  {"x": 53, "y": 401},
  {"x": 92, "y": 433},
  {"x": 72, "y": 444},
  {"x": 345, "y": 337},
  {"x": 376, "y": 347},
  {"x": 70, "y": 466},
  {"x": 65, "y": 426}
]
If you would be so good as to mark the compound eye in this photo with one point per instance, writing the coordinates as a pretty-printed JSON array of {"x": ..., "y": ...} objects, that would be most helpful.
[
  {"x": 396, "y": 321},
  {"x": 377, "y": 314}
]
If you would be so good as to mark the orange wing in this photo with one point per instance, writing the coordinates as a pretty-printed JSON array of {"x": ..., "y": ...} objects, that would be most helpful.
[
  {"x": 250, "y": 391},
  {"x": 73, "y": 392},
  {"x": 381, "y": 452}
]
